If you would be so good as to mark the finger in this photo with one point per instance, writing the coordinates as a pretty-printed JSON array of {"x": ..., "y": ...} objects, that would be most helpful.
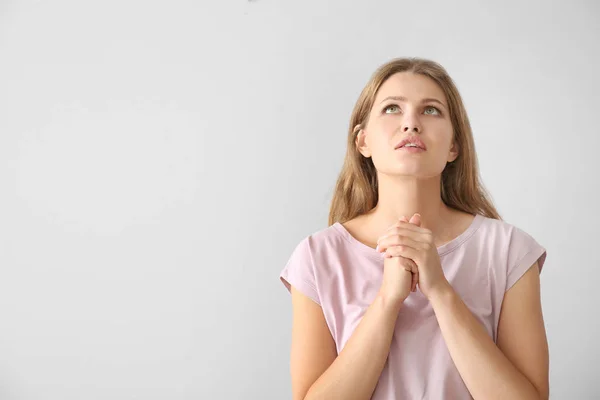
[
  {"x": 415, "y": 276},
  {"x": 410, "y": 266},
  {"x": 410, "y": 226},
  {"x": 406, "y": 227},
  {"x": 415, "y": 219},
  {"x": 415, "y": 279},
  {"x": 396, "y": 240},
  {"x": 404, "y": 251},
  {"x": 402, "y": 227},
  {"x": 394, "y": 236},
  {"x": 403, "y": 221}
]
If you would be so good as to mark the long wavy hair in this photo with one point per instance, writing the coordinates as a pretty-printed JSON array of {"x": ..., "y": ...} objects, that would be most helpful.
[{"x": 356, "y": 189}]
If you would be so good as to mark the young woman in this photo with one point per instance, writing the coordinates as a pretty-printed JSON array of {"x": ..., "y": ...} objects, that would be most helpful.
[{"x": 409, "y": 211}]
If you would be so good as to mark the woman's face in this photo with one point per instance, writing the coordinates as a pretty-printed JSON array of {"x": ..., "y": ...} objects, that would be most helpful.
[{"x": 416, "y": 114}]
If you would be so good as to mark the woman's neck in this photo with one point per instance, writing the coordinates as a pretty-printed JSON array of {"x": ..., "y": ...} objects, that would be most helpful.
[{"x": 405, "y": 196}]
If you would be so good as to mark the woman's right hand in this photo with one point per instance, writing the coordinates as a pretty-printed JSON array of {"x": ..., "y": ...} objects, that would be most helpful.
[{"x": 400, "y": 277}]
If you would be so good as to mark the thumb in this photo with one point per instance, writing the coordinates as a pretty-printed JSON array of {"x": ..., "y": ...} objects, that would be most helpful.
[
  {"x": 416, "y": 219},
  {"x": 403, "y": 219}
]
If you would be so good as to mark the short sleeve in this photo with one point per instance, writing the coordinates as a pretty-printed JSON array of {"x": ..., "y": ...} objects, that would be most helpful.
[
  {"x": 299, "y": 271},
  {"x": 523, "y": 251}
]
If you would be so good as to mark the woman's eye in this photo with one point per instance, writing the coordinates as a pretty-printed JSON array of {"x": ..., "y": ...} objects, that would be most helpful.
[
  {"x": 432, "y": 108},
  {"x": 435, "y": 110},
  {"x": 388, "y": 107}
]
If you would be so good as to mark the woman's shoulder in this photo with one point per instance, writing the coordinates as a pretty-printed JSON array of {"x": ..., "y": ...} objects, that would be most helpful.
[
  {"x": 501, "y": 228},
  {"x": 324, "y": 237},
  {"x": 316, "y": 238},
  {"x": 512, "y": 239}
]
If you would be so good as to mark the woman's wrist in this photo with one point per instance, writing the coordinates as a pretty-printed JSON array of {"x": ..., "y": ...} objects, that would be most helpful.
[{"x": 388, "y": 302}]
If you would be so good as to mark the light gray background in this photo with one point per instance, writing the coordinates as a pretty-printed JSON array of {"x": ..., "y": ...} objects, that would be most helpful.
[{"x": 160, "y": 160}]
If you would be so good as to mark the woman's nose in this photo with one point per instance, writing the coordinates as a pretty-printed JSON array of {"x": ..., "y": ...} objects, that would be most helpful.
[{"x": 411, "y": 124}]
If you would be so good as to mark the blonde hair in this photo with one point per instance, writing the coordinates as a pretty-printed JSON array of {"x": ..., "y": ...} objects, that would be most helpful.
[{"x": 356, "y": 189}]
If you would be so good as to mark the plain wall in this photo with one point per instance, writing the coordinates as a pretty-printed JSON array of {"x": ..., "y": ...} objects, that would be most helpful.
[{"x": 159, "y": 161}]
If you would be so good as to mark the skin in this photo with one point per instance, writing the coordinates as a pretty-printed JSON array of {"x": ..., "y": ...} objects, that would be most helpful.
[
  {"x": 409, "y": 183},
  {"x": 408, "y": 224}
]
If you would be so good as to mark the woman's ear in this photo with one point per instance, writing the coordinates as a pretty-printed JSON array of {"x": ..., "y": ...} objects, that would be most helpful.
[
  {"x": 453, "y": 153},
  {"x": 361, "y": 142}
]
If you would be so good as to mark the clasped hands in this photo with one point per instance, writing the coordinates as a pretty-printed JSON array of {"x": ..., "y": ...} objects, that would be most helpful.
[{"x": 408, "y": 239}]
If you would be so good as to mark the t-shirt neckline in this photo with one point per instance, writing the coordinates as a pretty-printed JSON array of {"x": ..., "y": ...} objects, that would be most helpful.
[{"x": 443, "y": 249}]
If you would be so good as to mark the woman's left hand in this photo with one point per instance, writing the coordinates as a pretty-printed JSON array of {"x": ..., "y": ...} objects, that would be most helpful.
[{"x": 408, "y": 239}]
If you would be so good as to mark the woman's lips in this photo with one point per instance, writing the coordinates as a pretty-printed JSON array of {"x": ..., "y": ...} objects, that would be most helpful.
[{"x": 411, "y": 149}]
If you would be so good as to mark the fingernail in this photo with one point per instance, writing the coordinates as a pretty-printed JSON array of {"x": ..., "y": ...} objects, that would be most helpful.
[{"x": 377, "y": 248}]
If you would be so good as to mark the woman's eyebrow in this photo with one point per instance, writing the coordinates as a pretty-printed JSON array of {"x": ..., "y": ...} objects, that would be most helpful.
[{"x": 404, "y": 99}]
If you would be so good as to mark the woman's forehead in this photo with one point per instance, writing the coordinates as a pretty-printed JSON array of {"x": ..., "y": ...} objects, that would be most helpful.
[{"x": 409, "y": 87}]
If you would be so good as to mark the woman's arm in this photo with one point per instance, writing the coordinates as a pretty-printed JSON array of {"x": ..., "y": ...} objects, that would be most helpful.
[
  {"x": 353, "y": 375},
  {"x": 521, "y": 371}
]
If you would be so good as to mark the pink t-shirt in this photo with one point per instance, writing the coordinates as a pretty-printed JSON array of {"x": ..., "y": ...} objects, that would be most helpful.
[{"x": 343, "y": 276}]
